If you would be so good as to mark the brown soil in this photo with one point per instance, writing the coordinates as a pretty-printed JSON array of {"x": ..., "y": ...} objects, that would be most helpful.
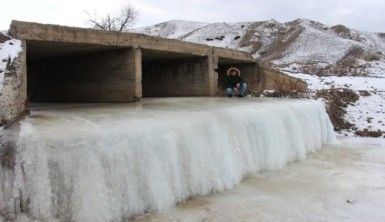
[
  {"x": 280, "y": 45},
  {"x": 337, "y": 100},
  {"x": 364, "y": 93},
  {"x": 247, "y": 39},
  {"x": 3, "y": 38},
  {"x": 367, "y": 133},
  {"x": 341, "y": 30}
]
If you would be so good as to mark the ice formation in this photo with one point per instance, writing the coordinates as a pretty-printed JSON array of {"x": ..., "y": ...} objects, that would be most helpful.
[{"x": 110, "y": 162}]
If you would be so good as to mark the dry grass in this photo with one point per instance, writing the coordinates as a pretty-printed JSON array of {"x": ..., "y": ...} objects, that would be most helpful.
[
  {"x": 337, "y": 100},
  {"x": 3, "y": 38},
  {"x": 341, "y": 30},
  {"x": 368, "y": 133}
]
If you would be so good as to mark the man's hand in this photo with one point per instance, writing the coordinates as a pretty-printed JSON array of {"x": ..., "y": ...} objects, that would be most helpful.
[{"x": 238, "y": 85}]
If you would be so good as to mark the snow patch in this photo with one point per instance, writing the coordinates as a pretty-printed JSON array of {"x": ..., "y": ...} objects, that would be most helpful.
[{"x": 9, "y": 50}]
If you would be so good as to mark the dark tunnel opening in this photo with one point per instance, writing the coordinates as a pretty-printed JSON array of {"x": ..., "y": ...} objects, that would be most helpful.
[
  {"x": 249, "y": 73},
  {"x": 67, "y": 72},
  {"x": 167, "y": 74}
]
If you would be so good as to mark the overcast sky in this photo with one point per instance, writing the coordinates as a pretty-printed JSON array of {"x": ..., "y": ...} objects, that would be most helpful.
[{"x": 365, "y": 15}]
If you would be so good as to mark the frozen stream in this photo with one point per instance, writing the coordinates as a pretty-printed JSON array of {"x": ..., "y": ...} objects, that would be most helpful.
[
  {"x": 343, "y": 183},
  {"x": 109, "y": 162}
]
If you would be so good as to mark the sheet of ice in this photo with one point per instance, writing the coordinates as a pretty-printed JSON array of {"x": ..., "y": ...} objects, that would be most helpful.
[
  {"x": 9, "y": 50},
  {"x": 110, "y": 162},
  {"x": 343, "y": 184}
]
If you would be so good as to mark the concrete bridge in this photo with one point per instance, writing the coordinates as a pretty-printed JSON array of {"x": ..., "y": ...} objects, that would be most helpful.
[{"x": 67, "y": 64}]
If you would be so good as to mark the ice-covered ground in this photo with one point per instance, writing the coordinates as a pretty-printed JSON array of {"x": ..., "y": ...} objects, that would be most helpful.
[
  {"x": 105, "y": 162},
  {"x": 343, "y": 183}
]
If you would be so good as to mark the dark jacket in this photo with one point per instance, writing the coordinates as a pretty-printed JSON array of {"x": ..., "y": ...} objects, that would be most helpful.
[{"x": 232, "y": 81}]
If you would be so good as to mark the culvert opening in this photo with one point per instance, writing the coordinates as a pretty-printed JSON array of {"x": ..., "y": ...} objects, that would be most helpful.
[
  {"x": 248, "y": 73},
  {"x": 166, "y": 74},
  {"x": 67, "y": 72}
]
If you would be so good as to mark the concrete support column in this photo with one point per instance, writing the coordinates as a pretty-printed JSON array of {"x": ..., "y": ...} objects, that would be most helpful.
[
  {"x": 212, "y": 76},
  {"x": 135, "y": 70}
]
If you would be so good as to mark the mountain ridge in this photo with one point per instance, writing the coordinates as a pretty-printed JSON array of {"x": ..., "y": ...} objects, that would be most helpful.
[{"x": 298, "y": 46}]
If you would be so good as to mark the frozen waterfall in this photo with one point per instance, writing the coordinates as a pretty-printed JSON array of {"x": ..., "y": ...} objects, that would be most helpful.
[{"x": 109, "y": 162}]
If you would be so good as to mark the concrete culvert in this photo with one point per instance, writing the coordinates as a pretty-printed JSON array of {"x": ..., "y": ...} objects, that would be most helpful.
[
  {"x": 60, "y": 72},
  {"x": 174, "y": 74}
]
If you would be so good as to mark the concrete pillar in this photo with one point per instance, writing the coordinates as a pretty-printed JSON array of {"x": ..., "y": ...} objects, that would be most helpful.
[
  {"x": 13, "y": 95},
  {"x": 212, "y": 76},
  {"x": 135, "y": 70}
]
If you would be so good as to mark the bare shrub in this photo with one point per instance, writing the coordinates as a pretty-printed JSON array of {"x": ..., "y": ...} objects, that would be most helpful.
[
  {"x": 119, "y": 22},
  {"x": 337, "y": 100},
  {"x": 287, "y": 88}
]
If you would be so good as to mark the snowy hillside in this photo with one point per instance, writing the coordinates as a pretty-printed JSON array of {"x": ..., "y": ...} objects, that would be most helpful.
[
  {"x": 327, "y": 57},
  {"x": 299, "y": 46},
  {"x": 172, "y": 29}
]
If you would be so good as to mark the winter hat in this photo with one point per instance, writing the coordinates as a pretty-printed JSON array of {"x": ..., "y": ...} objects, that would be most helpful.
[{"x": 233, "y": 69}]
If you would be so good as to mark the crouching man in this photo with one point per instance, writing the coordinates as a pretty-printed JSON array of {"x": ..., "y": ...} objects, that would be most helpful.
[{"x": 235, "y": 86}]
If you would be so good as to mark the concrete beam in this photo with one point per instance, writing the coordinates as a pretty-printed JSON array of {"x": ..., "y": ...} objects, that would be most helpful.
[
  {"x": 135, "y": 70},
  {"x": 225, "y": 55},
  {"x": 29, "y": 31}
]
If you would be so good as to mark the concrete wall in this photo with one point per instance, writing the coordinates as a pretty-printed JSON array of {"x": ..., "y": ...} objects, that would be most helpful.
[
  {"x": 178, "y": 77},
  {"x": 13, "y": 96},
  {"x": 275, "y": 80},
  {"x": 54, "y": 33},
  {"x": 105, "y": 76}
]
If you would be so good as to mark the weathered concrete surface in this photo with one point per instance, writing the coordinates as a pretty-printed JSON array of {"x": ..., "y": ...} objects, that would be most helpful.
[
  {"x": 53, "y": 33},
  {"x": 13, "y": 96},
  {"x": 275, "y": 80},
  {"x": 107, "y": 76},
  {"x": 178, "y": 77}
]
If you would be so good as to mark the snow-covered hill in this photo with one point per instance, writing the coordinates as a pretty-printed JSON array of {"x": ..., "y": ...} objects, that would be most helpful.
[
  {"x": 327, "y": 57},
  {"x": 300, "y": 46}
]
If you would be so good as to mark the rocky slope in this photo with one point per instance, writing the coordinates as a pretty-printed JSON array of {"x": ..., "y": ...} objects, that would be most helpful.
[
  {"x": 332, "y": 59},
  {"x": 300, "y": 46}
]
